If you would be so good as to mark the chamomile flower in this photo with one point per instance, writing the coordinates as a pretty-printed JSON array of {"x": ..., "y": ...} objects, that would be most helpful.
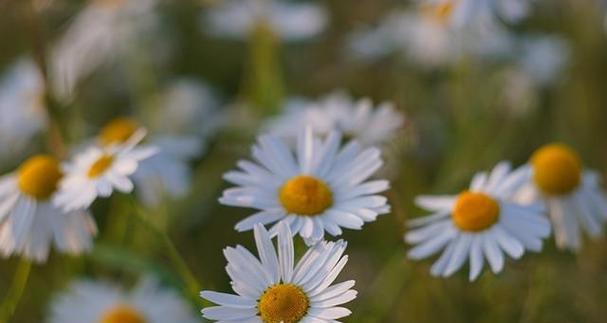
[
  {"x": 30, "y": 223},
  {"x": 96, "y": 302},
  {"x": 463, "y": 12},
  {"x": 573, "y": 196},
  {"x": 480, "y": 223},
  {"x": 291, "y": 21},
  {"x": 22, "y": 110},
  {"x": 97, "y": 172},
  {"x": 102, "y": 32},
  {"x": 275, "y": 289},
  {"x": 355, "y": 119},
  {"x": 316, "y": 188}
]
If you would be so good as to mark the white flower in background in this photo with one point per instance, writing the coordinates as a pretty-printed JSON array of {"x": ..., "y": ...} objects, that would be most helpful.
[
  {"x": 30, "y": 224},
  {"x": 464, "y": 12},
  {"x": 291, "y": 21},
  {"x": 319, "y": 187},
  {"x": 96, "y": 302},
  {"x": 22, "y": 110},
  {"x": 355, "y": 119},
  {"x": 275, "y": 289},
  {"x": 103, "y": 32},
  {"x": 98, "y": 171},
  {"x": 427, "y": 38},
  {"x": 543, "y": 58},
  {"x": 573, "y": 196},
  {"x": 480, "y": 223}
]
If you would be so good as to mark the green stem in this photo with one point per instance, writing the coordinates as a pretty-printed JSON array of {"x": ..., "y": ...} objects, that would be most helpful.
[
  {"x": 7, "y": 309},
  {"x": 188, "y": 278}
]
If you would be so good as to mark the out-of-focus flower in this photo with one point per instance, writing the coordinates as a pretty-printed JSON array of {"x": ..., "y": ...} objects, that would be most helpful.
[
  {"x": 427, "y": 38},
  {"x": 97, "y": 172},
  {"x": 573, "y": 196},
  {"x": 89, "y": 301},
  {"x": 22, "y": 110},
  {"x": 480, "y": 223},
  {"x": 355, "y": 119},
  {"x": 463, "y": 12},
  {"x": 29, "y": 223},
  {"x": 275, "y": 289},
  {"x": 105, "y": 31},
  {"x": 319, "y": 187},
  {"x": 291, "y": 21}
]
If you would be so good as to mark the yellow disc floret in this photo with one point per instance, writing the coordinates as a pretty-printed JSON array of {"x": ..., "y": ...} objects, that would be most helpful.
[
  {"x": 123, "y": 314},
  {"x": 440, "y": 12},
  {"x": 475, "y": 212},
  {"x": 100, "y": 166},
  {"x": 305, "y": 195},
  {"x": 117, "y": 131},
  {"x": 38, "y": 177},
  {"x": 284, "y": 303},
  {"x": 557, "y": 169}
]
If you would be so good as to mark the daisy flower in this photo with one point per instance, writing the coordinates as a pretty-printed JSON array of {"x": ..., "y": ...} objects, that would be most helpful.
[
  {"x": 29, "y": 222},
  {"x": 462, "y": 12},
  {"x": 275, "y": 289},
  {"x": 88, "y": 301},
  {"x": 102, "y": 32},
  {"x": 480, "y": 223},
  {"x": 98, "y": 171},
  {"x": 22, "y": 110},
  {"x": 289, "y": 20},
  {"x": 573, "y": 196},
  {"x": 355, "y": 119},
  {"x": 316, "y": 188}
]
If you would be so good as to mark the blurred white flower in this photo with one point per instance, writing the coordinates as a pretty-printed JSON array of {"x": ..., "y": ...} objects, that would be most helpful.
[
  {"x": 92, "y": 302},
  {"x": 274, "y": 288},
  {"x": 463, "y": 12},
  {"x": 97, "y": 172},
  {"x": 103, "y": 32},
  {"x": 318, "y": 186},
  {"x": 574, "y": 197},
  {"x": 355, "y": 119},
  {"x": 543, "y": 57},
  {"x": 22, "y": 109},
  {"x": 30, "y": 224},
  {"x": 291, "y": 21},
  {"x": 482, "y": 223},
  {"x": 426, "y": 37}
]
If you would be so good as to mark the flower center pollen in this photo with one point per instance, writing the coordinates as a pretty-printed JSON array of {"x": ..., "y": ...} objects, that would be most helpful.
[
  {"x": 123, "y": 314},
  {"x": 475, "y": 212},
  {"x": 440, "y": 12},
  {"x": 117, "y": 131},
  {"x": 38, "y": 177},
  {"x": 100, "y": 166},
  {"x": 557, "y": 169},
  {"x": 283, "y": 303},
  {"x": 305, "y": 195}
]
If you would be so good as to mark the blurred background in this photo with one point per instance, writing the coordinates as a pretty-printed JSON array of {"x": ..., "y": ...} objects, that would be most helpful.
[{"x": 471, "y": 98}]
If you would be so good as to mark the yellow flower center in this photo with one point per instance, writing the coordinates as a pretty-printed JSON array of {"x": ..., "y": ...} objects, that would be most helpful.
[
  {"x": 440, "y": 12},
  {"x": 283, "y": 303},
  {"x": 557, "y": 169},
  {"x": 117, "y": 131},
  {"x": 123, "y": 314},
  {"x": 38, "y": 177},
  {"x": 305, "y": 195},
  {"x": 475, "y": 212},
  {"x": 100, "y": 165}
]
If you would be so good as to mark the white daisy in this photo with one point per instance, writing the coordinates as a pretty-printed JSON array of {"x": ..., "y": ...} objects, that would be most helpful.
[
  {"x": 319, "y": 187},
  {"x": 22, "y": 109},
  {"x": 274, "y": 289},
  {"x": 573, "y": 196},
  {"x": 96, "y": 172},
  {"x": 425, "y": 36},
  {"x": 355, "y": 119},
  {"x": 464, "y": 12},
  {"x": 289, "y": 20},
  {"x": 95, "y": 302},
  {"x": 30, "y": 224},
  {"x": 481, "y": 223},
  {"x": 102, "y": 32}
]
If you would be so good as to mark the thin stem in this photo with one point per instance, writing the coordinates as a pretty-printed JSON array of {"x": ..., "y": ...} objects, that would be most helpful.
[
  {"x": 180, "y": 266},
  {"x": 15, "y": 292}
]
